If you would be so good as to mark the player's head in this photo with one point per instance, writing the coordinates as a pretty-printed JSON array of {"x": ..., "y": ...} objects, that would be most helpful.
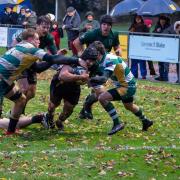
[
  {"x": 106, "y": 24},
  {"x": 99, "y": 47},
  {"x": 93, "y": 53},
  {"x": 43, "y": 25},
  {"x": 90, "y": 55},
  {"x": 30, "y": 35}
]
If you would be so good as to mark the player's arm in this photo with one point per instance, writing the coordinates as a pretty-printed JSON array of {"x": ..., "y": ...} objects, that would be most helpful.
[
  {"x": 99, "y": 80},
  {"x": 51, "y": 45},
  {"x": 85, "y": 38},
  {"x": 60, "y": 59},
  {"x": 66, "y": 75},
  {"x": 116, "y": 44},
  {"x": 41, "y": 66},
  {"x": 79, "y": 46},
  {"x": 118, "y": 50}
]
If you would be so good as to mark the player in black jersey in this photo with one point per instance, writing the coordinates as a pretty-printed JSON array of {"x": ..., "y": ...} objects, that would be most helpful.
[{"x": 65, "y": 85}]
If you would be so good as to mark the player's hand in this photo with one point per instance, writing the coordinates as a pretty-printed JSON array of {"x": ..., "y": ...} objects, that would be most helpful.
[
  {"x": 62, "y": 51},
  {"x": 118, "y": 52},
  {"x": 84, "y": 77},
  {"x": 82, "y": 63}
]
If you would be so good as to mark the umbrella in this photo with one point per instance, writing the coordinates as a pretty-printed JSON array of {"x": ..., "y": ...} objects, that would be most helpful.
[
  {"x": 126, "y": 7},
  {"x": 8, "y": 2},
  {"x": 155, "y": 7}
]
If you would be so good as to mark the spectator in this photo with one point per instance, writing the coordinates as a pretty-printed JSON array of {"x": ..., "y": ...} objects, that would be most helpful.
[
  {"x": 177, "y": 30},
  {"x": 162, "y": 24},
  {"x": 71, "y": 23},
  {"x": 57, "y": 33},
  {"x": 21, "y": 16},
  {"x": 148, "y": 23},
  {"x": 138, "y": 26},
  {"x": 30, "y": 19},
  {"x": 90, "y": 23},
  {"x": 174, "y": 29},
  {"x": 9, "y": 17}
]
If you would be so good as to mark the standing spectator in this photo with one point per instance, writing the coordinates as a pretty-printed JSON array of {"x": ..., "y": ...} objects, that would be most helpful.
[
  {"x": 30, "y": 19},
  {"x": 71, "y": 23},
  {"x": 174, "y": 29},
  {"x": 57, "y": 33},
  {"x": 177, "y": 30},
  {"x": 148, "y": 23},
  {"x": 162, "y": 24},
  {"x": 138, "y": 26},
  {"x": 9, "y": 17},
  {"x": 90, "y": 23},
  {"x": 21, "y": 16}
]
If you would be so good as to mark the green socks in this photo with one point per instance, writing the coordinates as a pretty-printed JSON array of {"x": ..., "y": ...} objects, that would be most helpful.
[{"x": 112, "y": 113}]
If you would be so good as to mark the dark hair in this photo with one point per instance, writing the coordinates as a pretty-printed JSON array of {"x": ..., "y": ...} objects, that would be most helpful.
[
  {"x": 55, "y": 22},
  {"x": 90, "y": 53},
  {"x": 28, "y": 33},
  {"x": 43, "y": 19},
  {"x": 106, "y": 19},
  {"x": 99, "y": 47}
]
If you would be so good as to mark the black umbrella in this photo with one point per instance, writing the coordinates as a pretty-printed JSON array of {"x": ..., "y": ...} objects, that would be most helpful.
[
  {"x": 126, "y": 7},
  {"x": 155, "y": 7}
]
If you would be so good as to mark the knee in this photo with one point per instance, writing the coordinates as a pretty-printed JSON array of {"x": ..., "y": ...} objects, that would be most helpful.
[
  {"x": 102, "y": 99},
  {"x": 22, "y": 99},
  {"x": 128, "y": 106}
]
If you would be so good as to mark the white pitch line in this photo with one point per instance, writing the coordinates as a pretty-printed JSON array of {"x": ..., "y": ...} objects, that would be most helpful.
[{"x": 100, "y": 149}]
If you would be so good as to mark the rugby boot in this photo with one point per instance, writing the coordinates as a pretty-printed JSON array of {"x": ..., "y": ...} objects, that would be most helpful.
[
  {"x": 146, "y": 123},
  {"x": 85, "y": 114},
  {"x": 59, "y": 125},
  {"x": 116, "y": 128}
]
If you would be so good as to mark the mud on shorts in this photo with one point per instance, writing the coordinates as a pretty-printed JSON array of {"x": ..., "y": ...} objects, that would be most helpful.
[
  {"x": 125, "y": 94},
  {"x": 30, "y": 75},
  {"x": 67, "y": 91},
  {"x": 5, "y": 88}
]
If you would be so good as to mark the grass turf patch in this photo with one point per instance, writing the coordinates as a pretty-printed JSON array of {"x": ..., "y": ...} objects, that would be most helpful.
[{"x": 84, "y": 151}]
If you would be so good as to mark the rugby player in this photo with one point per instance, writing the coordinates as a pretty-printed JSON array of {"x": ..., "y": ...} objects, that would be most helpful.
[
  {"x": 15, "y": 61},
  {"x": 110, "y": 40},
  {"x": 125, "y": 85}
]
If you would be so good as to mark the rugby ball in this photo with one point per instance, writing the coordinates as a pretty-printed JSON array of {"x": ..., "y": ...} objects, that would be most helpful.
[{"x": 78, "y": 70}]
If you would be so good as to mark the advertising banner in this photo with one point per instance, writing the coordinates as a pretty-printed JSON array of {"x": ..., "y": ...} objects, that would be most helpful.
[
  {"x": 162, "y": 49},
  {"x": 3, "y": 36}
]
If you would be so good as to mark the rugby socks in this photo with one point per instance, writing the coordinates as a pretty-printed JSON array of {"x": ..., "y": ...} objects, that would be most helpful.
[
  {"x": 12, "y": 125},
  {"x": 112, "y": 113},
  {"x": 37, "y": 119},
  {"x": 140, "y": 115}
]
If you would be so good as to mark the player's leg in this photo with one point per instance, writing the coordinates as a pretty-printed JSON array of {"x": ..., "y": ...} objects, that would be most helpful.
[
  {"x": 67, "y": 111},
  {"x": 129, "y": 105},
  {"x": 71, "y": 99},
  {"x": 28, "y": 88},
  {"x": 19, "y": 100},
  {"x": 55, "y": 100},
  {"x": 86, "y": 112},
  {"x": 105, "y": 100},
  {"x": 23, "y": 121}
]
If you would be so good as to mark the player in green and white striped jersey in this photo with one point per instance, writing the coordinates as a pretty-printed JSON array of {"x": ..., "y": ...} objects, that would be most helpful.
[{"x": 125, "y": 85}]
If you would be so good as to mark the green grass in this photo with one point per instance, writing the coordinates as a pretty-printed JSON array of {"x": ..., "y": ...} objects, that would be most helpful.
[{"x": 84, "y": 151}]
